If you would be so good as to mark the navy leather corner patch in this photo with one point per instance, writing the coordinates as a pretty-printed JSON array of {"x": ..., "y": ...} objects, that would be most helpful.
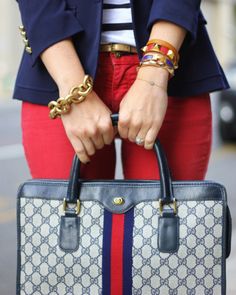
[
  {"x": 69, "y": 233},
  {"x": 168, "y": 241}
]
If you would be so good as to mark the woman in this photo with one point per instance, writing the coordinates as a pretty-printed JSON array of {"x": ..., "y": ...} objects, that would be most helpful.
[{"x": 63, "y": 42}]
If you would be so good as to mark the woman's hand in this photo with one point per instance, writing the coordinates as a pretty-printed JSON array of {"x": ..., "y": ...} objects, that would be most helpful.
[
  {"x": 143, "y": 108},
  {"x": 88, "y": 126}
]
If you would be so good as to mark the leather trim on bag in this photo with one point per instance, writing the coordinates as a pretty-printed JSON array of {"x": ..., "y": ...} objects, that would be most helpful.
[
  {"x": 69, "y": 233},
  {"x": 133, "y": 192},
  {"x": 168, "y": 232}
]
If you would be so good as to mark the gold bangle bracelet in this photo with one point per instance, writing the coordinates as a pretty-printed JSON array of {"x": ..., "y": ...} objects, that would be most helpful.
[
  {"x": 156, "y": 55},
  {"x": 171, "y": 72},
  {"x": 158, "y": 63},
  {"x": 76, "y": 95}
]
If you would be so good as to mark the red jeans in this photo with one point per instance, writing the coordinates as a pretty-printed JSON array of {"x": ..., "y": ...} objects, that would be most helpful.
[{"x": 185, "y": 135}]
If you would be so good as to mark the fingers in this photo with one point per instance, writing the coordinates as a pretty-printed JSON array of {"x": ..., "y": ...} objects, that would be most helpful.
[
  {"x": 138, "y": 129},
  {"x": 123, "y": 125},
  {"x": 92, "y": 139},
  {"x": 106, "y": 130},
  {"x": 86, "y": 139},
  {"x": 79, "y": 149},
  {"x": 98, "y": 141},
  {"x": 88, "y": 146},
  {"x": 133, "y": 128},
  {"x": 150, "y": 138}
]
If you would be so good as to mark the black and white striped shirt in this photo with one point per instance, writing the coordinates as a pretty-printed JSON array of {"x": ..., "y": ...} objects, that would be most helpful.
[{"x": 117, "y": 22}]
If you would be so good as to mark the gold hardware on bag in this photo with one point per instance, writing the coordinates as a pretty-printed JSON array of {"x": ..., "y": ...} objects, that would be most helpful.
[
  {"x": 77, "y": 208},
  {"x": 118, "y": 201},
  {"x": 174, "y": 204}
]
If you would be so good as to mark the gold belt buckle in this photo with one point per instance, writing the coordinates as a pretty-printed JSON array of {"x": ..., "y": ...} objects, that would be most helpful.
[
  {"x": 117, "y": 49},
  {"x": 114, "y": 51}
]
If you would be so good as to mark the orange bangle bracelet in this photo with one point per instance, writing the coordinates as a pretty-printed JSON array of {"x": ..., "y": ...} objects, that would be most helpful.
[{"x": 166, "y": 44}]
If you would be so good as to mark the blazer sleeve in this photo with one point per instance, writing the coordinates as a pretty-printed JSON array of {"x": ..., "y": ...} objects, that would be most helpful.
[
  {"x": 180, "y": 12},
  {"x": 47, "y": 22}
]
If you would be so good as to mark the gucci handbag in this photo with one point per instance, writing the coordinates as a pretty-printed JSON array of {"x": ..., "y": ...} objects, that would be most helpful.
[{"x": 122, "y": 237}]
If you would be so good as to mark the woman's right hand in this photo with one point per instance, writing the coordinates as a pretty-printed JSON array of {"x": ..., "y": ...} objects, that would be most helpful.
[{"x": 88, "y": 126}]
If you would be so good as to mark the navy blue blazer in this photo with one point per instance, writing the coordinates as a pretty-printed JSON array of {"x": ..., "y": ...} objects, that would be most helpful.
[{"x": 49, "y": 21}]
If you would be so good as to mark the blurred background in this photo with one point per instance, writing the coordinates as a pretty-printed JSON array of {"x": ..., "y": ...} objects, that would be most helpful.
[{"x": 221, "y": 17}]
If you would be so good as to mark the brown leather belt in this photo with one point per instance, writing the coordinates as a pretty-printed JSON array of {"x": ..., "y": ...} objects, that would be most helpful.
[{"x": 117, "y": 47}]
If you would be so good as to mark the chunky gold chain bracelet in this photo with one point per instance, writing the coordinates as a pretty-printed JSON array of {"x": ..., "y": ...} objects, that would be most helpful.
[{"x": 76, "y": 95}]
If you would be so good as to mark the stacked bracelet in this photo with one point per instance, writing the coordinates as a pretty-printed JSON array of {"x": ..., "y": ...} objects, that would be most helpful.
[
  {"x": 160, "y": 53},
  {"x": 161, "y": 46},
  {"x": 76, "y": 95},
  {"x": 158, "y": 60}
]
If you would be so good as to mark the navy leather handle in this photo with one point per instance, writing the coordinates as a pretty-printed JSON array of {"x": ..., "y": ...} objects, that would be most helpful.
[{"x": 165, "y": 178}]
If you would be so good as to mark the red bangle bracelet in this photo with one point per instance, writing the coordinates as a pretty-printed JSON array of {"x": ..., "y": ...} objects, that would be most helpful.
[
  {"x": 164, "y": 47},
  {"x": 165, "y": 44}
]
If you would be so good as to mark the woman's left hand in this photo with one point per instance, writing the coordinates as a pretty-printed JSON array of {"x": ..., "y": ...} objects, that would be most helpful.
[{"x": 143, "y": 108}]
